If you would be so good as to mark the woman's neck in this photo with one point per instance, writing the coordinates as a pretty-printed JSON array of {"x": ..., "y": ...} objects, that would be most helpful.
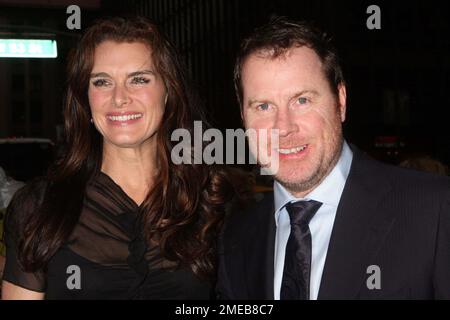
[{"x": 133, "y": 169}]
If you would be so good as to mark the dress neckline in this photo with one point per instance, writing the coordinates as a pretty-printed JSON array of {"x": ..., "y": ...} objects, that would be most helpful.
[
  {"x": 105, "y": 185},
  {"x": 120, "y": 190}
]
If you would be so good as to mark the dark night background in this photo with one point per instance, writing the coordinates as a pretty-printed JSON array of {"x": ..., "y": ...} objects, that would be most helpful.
[{"x": 397, "y": 77}]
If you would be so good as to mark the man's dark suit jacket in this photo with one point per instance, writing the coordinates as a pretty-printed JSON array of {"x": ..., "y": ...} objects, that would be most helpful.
[{"x": 394, "y": 218}]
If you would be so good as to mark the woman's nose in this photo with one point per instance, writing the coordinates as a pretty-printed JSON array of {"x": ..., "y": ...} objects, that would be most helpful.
[{"x": 121, "y": 96}]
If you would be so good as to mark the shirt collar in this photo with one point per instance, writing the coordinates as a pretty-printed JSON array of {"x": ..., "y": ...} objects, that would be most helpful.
[{"x": 329, "y": 191}]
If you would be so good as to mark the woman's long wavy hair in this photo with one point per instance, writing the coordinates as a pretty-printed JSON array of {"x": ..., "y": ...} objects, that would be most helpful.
[{"x": 182, "y": 212}]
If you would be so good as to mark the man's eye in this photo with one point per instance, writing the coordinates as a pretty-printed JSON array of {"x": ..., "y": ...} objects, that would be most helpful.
[
  {"x": 100, "y": 83},
  {"x": 263, "y": 107},
  {"x": 140, "y": 80},
  {"x": 302, "y": 100}
]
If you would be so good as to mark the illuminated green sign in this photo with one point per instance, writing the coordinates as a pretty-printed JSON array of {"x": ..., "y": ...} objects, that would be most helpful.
[{"x": 28, "y": 48}]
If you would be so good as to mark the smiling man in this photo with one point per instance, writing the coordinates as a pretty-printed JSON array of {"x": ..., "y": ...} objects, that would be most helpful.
[{"x": 338, "y": 224}]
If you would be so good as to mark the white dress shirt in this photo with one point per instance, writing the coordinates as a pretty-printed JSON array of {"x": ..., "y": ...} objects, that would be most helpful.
[{"x": 329, "y": 194}]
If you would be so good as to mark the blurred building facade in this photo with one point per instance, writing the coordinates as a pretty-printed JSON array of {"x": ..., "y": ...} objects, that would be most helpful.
[
  {"x": 31, "y": 89},
  {"x": 397, "y": 77}
]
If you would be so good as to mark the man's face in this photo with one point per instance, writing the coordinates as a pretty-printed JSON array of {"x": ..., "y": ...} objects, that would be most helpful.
[{"x": 291, "y": 93}]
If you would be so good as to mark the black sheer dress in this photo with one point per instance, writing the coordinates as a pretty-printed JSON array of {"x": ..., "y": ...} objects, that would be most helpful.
[{"x": 106, "y": 250}]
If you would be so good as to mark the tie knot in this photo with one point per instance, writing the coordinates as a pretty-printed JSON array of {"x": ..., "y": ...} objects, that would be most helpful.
[{"x": 301, "y": 212}]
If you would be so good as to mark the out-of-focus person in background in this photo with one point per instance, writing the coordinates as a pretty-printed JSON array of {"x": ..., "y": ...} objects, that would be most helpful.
[
  {"x": 425, "y": 163},
  {"x": 8, "y": 187},
  {"x": 116, "y": 218}
]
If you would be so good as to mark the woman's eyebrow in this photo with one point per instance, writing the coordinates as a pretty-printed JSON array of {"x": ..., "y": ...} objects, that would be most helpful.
[
  {"x": 99, "y": 74},
  {"x": 132, "y": 74},
  {"x": 141, "y": 72}
]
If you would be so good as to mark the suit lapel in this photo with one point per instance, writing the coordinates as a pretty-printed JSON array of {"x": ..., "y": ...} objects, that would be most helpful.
[
  {"x": 259, "y": 255},
  {"x": 359, "y": 230}
]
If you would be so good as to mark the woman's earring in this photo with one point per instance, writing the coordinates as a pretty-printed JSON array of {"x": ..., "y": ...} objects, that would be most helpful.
[{"x": 92, "y": 120}]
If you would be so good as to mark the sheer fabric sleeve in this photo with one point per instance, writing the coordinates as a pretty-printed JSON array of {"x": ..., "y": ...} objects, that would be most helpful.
[{"x": 19, "y": 210}]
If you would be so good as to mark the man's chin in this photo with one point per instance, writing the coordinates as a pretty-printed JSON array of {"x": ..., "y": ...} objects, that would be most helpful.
[
  {"x": 291, "y": 181},
  {"x": 294, "y": 174},
  {"x": 296, "y": 183}
]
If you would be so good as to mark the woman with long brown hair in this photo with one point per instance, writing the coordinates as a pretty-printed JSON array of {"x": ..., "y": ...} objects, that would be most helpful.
[{"x": 115, "y": 218}]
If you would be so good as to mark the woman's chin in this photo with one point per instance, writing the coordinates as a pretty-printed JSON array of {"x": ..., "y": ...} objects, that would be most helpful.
[{"x": 126, "y": 142}]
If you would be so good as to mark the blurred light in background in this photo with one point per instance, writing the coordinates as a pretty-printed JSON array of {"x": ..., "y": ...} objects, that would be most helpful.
[{"x": 28, "y": 48}]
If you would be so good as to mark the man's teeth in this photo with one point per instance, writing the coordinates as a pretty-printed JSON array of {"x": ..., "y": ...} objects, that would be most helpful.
[
  {"x": 125, "y": 118},
  {"x": 292, "y": 150}
]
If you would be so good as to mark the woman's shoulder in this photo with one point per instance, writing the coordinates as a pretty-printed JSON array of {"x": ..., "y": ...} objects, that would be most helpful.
[
  {"x": 25, "y": 201},
  {"x": 32, "y": 192}
]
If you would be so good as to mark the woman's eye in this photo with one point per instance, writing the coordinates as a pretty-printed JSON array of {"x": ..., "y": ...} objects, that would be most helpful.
[
  {"x": 263, "y": 107},
  {"x": 100, "y": 83},
  {"x": 140, "y": 80}
]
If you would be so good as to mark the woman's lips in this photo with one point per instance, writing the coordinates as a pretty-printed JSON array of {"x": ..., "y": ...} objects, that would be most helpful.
[{"x": 122, "y": 119}]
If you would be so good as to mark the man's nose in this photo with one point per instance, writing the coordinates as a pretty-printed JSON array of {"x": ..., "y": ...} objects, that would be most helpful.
[
  {"x": 121, "y": 96},
  {"x": 285, "y": 122}
]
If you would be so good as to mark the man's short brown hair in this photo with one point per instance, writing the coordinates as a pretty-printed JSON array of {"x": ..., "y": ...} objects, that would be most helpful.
[{"x": 282, "y": 34}]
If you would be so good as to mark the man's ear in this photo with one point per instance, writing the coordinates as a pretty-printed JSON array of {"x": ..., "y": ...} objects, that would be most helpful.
[{"x": 342, "y": 92}]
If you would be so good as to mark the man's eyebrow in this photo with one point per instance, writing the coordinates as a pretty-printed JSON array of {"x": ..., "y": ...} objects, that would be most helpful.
[
  {"x": 295, "y": 95},
  {"x": 132, "y": 74},
  {"x": 302, "y": 92},
  {"x": 312, "y": 92},
  {"x": 253, "y": 100}
]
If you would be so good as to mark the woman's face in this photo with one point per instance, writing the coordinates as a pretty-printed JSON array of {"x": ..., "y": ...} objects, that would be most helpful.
[{"x": 126, "y": 95}]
